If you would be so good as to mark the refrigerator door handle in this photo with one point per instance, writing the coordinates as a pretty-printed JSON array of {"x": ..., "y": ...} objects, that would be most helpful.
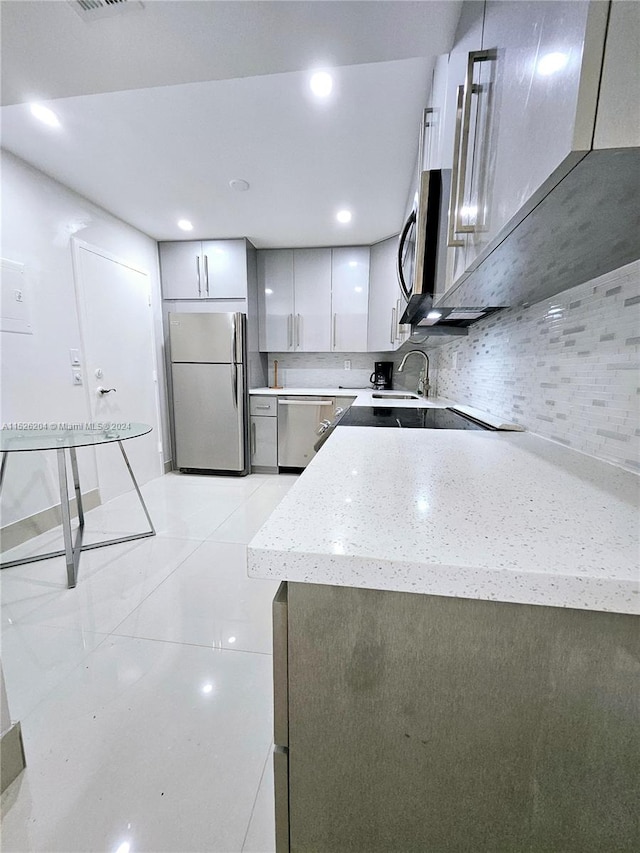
[
  {"x": 234, "y": 348},
  {"x": 198, "y": 274}
]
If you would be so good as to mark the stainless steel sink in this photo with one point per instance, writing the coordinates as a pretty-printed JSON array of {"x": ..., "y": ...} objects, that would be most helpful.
[{"x": 395, "y": 396}]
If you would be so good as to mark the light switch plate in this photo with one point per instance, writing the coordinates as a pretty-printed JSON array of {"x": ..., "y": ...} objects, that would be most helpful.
[
  {"x": 74, "y": 355},
  {"x": 77, "y": 377}
]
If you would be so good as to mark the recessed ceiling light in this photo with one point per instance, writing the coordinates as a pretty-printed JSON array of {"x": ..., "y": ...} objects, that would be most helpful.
[
  {"x": 358, "y": 289},
  {"x": 321, "y": 84},
  {"x": 343, "y": 216},
  {"x": 268, "y": 291},
  {"x": 239, "y": 184},
  {"x": 185, "y": 225},
  {"x": 551, "y": 62},
  {"x": 45, "y": 115},
  {"x": 353, "y": 263}
]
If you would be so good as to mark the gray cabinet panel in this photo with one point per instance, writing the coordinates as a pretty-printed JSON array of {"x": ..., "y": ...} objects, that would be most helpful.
[
  {"x": 280, "y": 668},
  {"x": 422, "y": 723},
  {"x": 264, "y": 442},
  {"x": 281, "y": 790}
]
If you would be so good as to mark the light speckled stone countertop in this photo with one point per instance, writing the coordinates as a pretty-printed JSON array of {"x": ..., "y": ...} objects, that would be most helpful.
[
  {"x": 363, "y": 396},
  {"x": 484, "y": 515}
]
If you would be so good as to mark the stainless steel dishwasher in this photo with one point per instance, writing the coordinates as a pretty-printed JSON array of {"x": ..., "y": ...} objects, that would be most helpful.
[{"x": 299, "y": 418}]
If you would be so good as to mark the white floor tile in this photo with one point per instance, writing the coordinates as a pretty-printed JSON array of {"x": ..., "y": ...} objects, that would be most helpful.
[
  {"x": 37, "y": 658},
  {"x": 173, "y": 744},
  {"x": 145, "y": 694},
  {"x": 209, "y": 601},
  {"x": 243, "y": 524},
  {"x": 112, "y": 582},
  {"x": 261, "y": 835}
]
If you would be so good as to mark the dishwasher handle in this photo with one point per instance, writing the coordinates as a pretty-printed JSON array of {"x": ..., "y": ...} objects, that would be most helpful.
[{"x": 305, "y": 402}]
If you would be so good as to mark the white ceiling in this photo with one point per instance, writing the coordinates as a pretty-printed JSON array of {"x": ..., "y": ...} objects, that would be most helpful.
[{"x": 151, "y": 151}]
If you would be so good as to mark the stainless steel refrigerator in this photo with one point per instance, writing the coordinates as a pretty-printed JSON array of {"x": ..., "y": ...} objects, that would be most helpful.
[{"x": 209, "y": 378}]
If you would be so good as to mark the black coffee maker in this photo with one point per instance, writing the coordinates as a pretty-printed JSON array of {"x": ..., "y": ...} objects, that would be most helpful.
[{"x": 381, "y": 376}]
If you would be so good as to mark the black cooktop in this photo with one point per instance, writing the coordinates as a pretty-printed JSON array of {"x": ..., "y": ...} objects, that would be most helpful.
[{"x": 405, "y": 417}]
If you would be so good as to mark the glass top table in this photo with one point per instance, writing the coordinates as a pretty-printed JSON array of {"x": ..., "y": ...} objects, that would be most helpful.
[
  {"x": 64, "y": 438},
  {"x": 35, "y": 436}
]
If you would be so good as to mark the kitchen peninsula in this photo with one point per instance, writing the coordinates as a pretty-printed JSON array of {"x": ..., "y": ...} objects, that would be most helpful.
[{"x": 456, "y": 657}]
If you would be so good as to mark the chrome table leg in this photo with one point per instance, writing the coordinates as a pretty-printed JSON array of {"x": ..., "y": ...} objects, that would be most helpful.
[
  {"x": 76, "y": 485},
  {"x": 70, "y": 553}
]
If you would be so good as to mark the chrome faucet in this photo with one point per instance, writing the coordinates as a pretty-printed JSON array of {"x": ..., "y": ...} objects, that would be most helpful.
[{"x": 423, "y": 379}]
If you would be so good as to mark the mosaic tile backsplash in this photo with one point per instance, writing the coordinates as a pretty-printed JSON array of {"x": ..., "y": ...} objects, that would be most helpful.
[
  {"x": 326, "y": 369},
  {"x": 567, "y": 369}
]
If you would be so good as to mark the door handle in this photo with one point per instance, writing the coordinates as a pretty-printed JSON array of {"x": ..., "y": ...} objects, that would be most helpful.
[
  {"x": 470, "y": 89},
  {"x": 452, "y": 240},
  {"x": 305, "y": 402},
  {"x": 333, "y": 345},
  {"x": 253, "y": 438},
  {"x": 297, "y": 330},
  {"x": 393, "y": 326},
  {"x": 289, "y": 331},
  {"x": 206, "y": 273},
  {"x": 400, "y": 256},
  {"x": 198, "y": 274},
  {"x": 102, "y": 391}
]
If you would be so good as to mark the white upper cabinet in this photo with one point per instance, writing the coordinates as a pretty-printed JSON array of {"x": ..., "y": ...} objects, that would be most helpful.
[
  {"x": 537, "y": 104},
  {"x": 181, "y": 269},
  {"x": 214, "y": 269},
  {"x": 225, "y": 269},
  {"x": 532, "y": 88},
  {"x": 349, "y": 298},
  {"x": 385, "y": 333},
  {"x": 275, "y": 300},
  {"x": 294, "y": 289},
  {"x": 618, "y": 122},
  {"x": 312, "y": 299}
]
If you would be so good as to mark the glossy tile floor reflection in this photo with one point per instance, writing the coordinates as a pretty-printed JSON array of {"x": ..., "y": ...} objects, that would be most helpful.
[{"x": 145, "y": 693}]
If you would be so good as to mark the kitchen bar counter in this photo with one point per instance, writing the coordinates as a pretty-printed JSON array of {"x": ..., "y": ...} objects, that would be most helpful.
[{"x": 476, "y": 515}]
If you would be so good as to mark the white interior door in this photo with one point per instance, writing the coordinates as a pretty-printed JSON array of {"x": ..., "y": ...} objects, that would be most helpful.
[{"x": 119, "y": 353}]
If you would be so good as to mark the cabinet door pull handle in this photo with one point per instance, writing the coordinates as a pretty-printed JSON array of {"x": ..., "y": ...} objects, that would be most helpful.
[
  {"x": 253, "y": 438},
  {"x": 333, "y": 345},
  {"x": 470, "y": 89},
  {"x": 262, "y": 407},
  {"x": 289, "y": 332},
  {"x": 198, "y": 274},
  {"x": 297, "y": 330},
  {"x": 393, "y": 326},
  {"x": 453, "y": 241},
  {"x": 206, "y": 273}
]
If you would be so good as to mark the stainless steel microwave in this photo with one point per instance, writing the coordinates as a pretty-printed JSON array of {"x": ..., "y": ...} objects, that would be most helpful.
[{"x": 422, "y": 259}]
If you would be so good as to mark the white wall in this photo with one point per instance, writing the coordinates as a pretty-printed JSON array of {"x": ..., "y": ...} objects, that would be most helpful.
[{"x": 39, "y": 218}]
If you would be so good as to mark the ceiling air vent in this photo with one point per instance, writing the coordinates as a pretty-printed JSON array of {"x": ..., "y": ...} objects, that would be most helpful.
[{"x": 92, "y": 10}]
